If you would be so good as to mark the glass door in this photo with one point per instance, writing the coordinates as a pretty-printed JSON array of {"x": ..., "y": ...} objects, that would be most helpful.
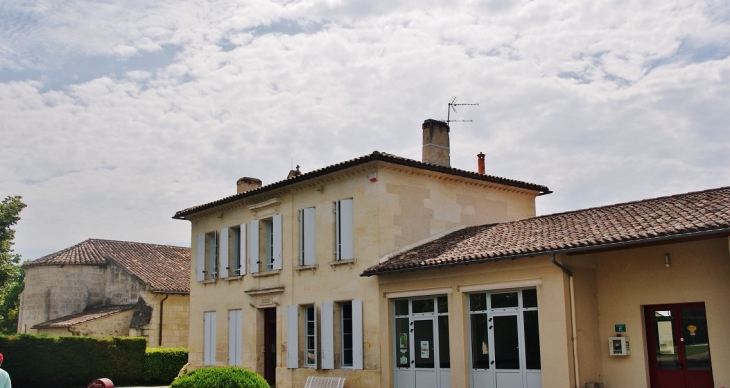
[
  {"x": 506, "y": 339},
  {"x": 423, "y": 349},
  {"x": 678, "y": 345}
]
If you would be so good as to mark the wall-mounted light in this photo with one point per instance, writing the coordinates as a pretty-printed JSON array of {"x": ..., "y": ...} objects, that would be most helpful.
[{"x": 667, "y": 260}]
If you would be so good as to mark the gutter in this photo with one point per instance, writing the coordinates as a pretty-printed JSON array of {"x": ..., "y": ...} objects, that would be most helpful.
[
  {"x": 573, "y": 329},
  {"x": 567, "y": 251},
  {"x": 159, "y": 335}
]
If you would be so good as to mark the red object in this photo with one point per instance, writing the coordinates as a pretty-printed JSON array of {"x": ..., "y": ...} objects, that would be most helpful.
[
  {"x": 101, "y": 383},
  {"x": 480, "y": 163},
  {"x": 1, "y": 358}
]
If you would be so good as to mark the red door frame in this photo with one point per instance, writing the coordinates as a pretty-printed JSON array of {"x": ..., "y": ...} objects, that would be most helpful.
[{"x": 682, "y": 377}]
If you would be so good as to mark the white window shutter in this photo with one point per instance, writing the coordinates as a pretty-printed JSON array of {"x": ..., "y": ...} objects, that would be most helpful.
[
  {"x": 212, "y": 257},
  {"x": 309, "y": 236},
  {"x": 357, "y": 343},
  {"x": 235, "y": 329},
  {"x": 347, "y": 239},
  {"x": 242, "y": 250},
  {"x": 209, "y": 339},
  {"x": 292, "y": 337},
  {"x": 276, "y": 254},
  {"x": 253, "y": 246},
  {"x": 223, "y": 254},
  {"x": 328, "y": 335},
  {"x": 200, "y": 257}
]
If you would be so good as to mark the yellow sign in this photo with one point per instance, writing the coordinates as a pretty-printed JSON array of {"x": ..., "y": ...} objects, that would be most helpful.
[{"x": 692, "y": 329}]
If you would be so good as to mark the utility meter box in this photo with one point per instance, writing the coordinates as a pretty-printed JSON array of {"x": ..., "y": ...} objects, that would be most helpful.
[{"x": 619, "y": 346}]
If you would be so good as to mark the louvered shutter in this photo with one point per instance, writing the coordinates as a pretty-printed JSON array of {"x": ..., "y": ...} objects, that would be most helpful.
[
  {"x": 346, "y": 234},
  {"x": 223, "y": 254},
  {"x": 357, "y": 340},
  {"x": 292, "y": 337},
  {"x": 309, "y": 236},
  {"x": 200, "y": 257},
  {"x": 277, "y": 243},
  {"x": 242, "y": 250},
  {"x": 328, "y": 335},
  {"x": 253, "y": 246}
]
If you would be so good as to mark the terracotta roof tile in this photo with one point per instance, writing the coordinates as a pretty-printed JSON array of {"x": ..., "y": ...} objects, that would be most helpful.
[
  {"x": 666, "y": 217},
  {"x": 375, "y": 156},
  {"x": 84, "y": 316},
  {"x": 163, "y": 268}
]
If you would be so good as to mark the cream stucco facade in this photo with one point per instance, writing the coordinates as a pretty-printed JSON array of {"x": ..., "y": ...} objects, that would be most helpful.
[{"x": 394, "y": 206}]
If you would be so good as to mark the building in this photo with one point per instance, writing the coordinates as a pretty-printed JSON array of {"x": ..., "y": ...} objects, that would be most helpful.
[
  {"x": 628, "y": 295},
  {"x": 401, "y": 273},
  {"x": 109, "y": 288},
  {"x": 276, "y": 283}
]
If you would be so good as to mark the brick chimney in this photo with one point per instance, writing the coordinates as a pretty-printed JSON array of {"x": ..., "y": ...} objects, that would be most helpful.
[
  {"x": 246, "y": 184},
  {"x": 480, "y": 162},
  {"x": 436, "y": 143}
]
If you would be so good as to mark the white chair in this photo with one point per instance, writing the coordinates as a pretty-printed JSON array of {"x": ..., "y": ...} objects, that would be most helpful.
[{"x": 324, "y": 382}]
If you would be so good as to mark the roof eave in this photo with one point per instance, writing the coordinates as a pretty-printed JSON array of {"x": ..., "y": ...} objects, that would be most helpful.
[{"x": 585, "y": 249}]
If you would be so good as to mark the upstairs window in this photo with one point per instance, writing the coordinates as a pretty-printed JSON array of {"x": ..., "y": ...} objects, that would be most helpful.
[
  {"x": 264, "y": 243},
  {"x": 344, "y": 234},
  {"x": 206, "y": 256},
  {"x": 307, "y": 236},
  {"x": 232, "y": 251}
]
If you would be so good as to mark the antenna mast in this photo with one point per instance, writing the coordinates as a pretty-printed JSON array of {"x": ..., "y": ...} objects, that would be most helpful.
[{"x": 452, "y": 104}]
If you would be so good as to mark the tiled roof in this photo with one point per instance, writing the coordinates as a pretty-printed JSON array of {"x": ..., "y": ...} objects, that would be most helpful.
[
  {"x": 84, "y": 316},
  {"x": 375, "y": 156},
  {"x": 163, "y": 268},
  {"x": 673, "y": 217}
]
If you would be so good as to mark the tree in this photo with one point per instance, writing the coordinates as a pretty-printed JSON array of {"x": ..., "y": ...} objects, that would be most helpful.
[{"x": 11, "y": 275}]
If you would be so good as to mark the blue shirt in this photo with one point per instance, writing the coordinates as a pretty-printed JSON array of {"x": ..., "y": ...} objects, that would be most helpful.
[{"x": 4, "y": 379}]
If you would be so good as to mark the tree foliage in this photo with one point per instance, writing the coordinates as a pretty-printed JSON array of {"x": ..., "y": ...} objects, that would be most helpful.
[{"x": 11, "y": 275}]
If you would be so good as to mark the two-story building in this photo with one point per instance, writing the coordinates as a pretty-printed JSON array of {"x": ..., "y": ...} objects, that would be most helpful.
[{"x": 276, "y": 283}]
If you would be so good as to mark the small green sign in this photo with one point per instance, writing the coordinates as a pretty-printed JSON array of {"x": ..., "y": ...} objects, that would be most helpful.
[{"x": 620, "y": 328}]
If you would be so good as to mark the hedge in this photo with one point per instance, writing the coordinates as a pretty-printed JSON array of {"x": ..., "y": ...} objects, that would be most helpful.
[
  {"x": 220, "y": 377},
  {"x": 161, "y": 365},
  {"x": 37, "y": 361}
]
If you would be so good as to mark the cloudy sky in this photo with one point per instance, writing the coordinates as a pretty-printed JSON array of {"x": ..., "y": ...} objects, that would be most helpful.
[{"x": 116, "y": 114}]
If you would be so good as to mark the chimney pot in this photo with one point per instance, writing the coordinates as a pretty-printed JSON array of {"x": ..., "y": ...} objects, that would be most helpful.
[
  {"x": 247, "y": 184},
  {"x": 480, "y": 162},
  {"x": 436, "y": 143}
]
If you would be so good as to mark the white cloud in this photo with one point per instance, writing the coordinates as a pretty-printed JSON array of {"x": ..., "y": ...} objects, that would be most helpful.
[{"x": 601, "y": 101}]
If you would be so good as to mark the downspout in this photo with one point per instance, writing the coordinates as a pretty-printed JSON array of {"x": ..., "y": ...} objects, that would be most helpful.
[
  {"x": 159, "y": 333},
  {"x": 572, "y": 316}
]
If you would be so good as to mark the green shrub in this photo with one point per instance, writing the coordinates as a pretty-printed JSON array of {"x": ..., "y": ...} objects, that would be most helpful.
[
  {"x": 35, "y": 361},
  {"x": 161, "y": 365},
  {"x": 225, "y": 377}
]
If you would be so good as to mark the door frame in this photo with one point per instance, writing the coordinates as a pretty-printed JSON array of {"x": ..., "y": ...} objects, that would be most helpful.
[{"x": 677, "y": 330}]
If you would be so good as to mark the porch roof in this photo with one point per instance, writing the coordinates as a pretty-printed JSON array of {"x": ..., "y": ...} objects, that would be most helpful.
[{"x": 651, "y": 220}]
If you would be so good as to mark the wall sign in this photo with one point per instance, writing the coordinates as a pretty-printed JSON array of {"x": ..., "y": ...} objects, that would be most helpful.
[{"x": 620, "y": 328}]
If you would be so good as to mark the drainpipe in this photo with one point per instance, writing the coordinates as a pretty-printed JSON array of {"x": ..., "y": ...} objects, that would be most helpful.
[
  {"x": 159, "y": 334},
  {"x": 572, "y": 316}
]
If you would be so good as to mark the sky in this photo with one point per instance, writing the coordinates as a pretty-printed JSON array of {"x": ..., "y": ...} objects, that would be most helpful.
[{"x": 116, "y": 114}]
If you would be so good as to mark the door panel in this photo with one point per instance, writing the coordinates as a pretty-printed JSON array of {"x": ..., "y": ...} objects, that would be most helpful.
[
  {"x": 678, "y": 346},
  {"x": 506, "y": 343}
]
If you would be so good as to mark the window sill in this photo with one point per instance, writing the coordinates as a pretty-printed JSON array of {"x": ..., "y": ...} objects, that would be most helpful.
[
  {"x": 209, "y": 281},
  {"x": 335, "y": 264},
  {"x": 232, "y": 278},
  {"x": 266, "y": 274},
  {"x": 312, "y": 268}
]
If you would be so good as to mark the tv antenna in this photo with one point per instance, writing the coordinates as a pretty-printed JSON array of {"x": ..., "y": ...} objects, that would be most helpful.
[{"x": 452, "y": 104}]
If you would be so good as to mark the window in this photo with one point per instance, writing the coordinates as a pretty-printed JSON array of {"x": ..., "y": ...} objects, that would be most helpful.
[
  {"x": 230, "y": 249},
  {"x": 310, "y": 336},
  {"x": 265, "y": 244},
  {"x": 344, "y": 224},
  {"x": 206, "y": 256},
  {"x": 346, "y": 334},
  {"x": 209, "y": 338},
  {"x": 307, "y": 239}
]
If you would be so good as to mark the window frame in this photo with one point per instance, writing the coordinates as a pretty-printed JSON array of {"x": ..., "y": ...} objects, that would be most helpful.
[
  {"x": 211, "y": 256},
  {"x": 310, "y": 316},
  {"x": 343, "y": 349}
]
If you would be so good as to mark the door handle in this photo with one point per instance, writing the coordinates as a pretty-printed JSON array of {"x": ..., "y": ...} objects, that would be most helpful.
[
  {"x": 492, "y": 362},
  {"x": 412, "y": 361}
]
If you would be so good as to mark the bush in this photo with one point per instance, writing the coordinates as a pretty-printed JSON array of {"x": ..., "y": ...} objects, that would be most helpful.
[
  {"x": 161, "y": 365},
  {"x": 37, "y": 361},
  {"x": 225, "y": 377}
]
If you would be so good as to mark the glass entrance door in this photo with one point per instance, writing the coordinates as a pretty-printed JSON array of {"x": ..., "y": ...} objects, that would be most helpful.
[
  {"x": 678, "y": 345},
  {"x": 505, "y": 340},
  {"x": 421, "y": 353}
]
